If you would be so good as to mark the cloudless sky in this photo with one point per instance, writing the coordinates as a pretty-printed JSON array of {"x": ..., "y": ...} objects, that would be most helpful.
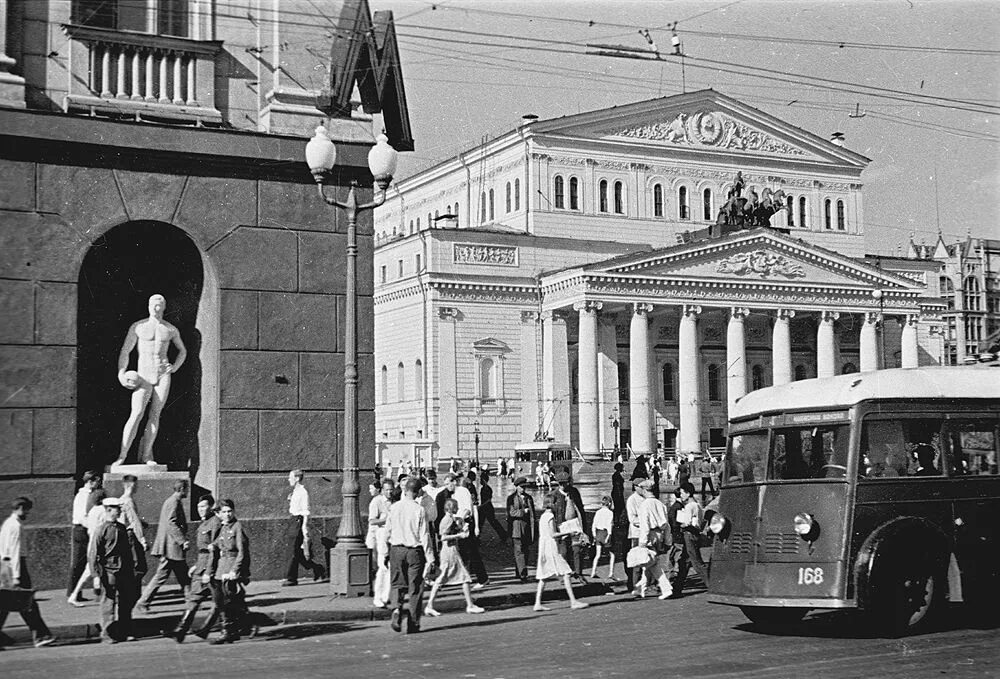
[{"x": 472, "y": 68}]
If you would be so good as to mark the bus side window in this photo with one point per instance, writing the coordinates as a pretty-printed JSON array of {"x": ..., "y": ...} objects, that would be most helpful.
[
  {"x": 882, "y": 452},
  {"x": 973, "y": 447}
]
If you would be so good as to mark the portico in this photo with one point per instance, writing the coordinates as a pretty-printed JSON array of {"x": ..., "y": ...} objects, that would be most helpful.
[{"x": 694, "y": 320}]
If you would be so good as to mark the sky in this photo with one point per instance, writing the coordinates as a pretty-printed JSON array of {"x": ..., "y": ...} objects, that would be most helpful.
[{"x": 914, "y": 85}]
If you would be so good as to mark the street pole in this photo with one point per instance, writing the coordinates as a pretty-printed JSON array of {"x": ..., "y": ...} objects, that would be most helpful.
[
  {"x": 349, "y": 558},
  {"x": 475, "y": 433}
]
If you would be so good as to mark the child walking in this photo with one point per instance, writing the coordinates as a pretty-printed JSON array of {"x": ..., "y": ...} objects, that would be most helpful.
[
  {"x": 602, "y": 526},
  {"x": 453, "y": 571},
  {"x": 550, "y": 562}
]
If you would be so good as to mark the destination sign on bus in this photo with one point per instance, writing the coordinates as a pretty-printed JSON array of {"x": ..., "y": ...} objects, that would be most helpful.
[{"x": 789, "y": 419}]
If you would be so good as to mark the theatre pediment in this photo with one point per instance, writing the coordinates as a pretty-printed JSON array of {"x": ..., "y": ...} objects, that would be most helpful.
[{"x": 760, "y": 256}]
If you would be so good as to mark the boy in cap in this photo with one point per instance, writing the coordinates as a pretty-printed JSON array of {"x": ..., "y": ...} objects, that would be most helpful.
[
  {"x": 14, "y": 571},
  {"x": 111, "y": 563}
]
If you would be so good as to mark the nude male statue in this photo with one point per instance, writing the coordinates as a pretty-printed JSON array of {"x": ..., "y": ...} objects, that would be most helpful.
[{"x": 150, "y": 384}]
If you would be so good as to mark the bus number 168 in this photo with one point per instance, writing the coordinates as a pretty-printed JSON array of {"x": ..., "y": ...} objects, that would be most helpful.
[{"x": 810, "y": 576}]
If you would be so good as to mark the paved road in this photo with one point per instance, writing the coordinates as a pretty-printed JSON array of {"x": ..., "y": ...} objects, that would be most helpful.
[{"x": 616, "y": 637}]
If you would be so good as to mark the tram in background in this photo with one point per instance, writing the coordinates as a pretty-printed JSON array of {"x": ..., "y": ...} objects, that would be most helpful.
[{"x": 878, "y": 491}]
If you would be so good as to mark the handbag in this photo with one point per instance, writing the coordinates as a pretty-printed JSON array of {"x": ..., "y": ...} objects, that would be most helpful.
[{"x": 639, "y": 556}]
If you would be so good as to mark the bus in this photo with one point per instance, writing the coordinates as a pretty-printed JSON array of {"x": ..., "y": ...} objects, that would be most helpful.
[
  {"x": 528, "y": 457},
  {"x": 877, "y": 491}
]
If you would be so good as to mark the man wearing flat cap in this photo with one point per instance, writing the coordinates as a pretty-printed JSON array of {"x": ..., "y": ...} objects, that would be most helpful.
[
  {"x": 111, "y": 562},
  {"x": 521, "y": 526}
]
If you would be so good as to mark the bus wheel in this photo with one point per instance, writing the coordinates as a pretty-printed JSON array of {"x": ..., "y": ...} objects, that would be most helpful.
[
  {"x": 773, "y": 616},
  {"x": 914, "y": 598}
]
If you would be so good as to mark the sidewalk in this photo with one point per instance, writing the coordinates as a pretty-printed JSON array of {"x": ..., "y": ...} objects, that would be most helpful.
[{"x": 273, "y": 605}]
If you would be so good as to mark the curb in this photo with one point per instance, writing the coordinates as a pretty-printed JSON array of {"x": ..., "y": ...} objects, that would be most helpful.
[{"x": 153, "y": 627}]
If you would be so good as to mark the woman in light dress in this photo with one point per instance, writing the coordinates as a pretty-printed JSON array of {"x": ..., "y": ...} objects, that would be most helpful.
[
  {"x": 550, "y": 562},
  {"x": 453, "y": 571}
]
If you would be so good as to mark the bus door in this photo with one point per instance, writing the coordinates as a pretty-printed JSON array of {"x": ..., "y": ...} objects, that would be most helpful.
[{"x": 972, "y": 455}]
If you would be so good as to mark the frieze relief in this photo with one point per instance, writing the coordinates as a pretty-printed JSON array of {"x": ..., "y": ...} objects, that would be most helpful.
[
  {"x": 753, "y": 299},
  {"x": 760, "y": 263},
  {"x": 711, "y": 128},
  {"x": 493, "y": 296},
  {"x": 712, "y": 334},
  {"x": 489, "y": 255}
]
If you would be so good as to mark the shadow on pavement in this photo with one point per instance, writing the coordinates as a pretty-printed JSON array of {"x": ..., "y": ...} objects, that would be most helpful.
[
  {"x": 477, "y": 622},
  {"x": 305, "y": 630}
]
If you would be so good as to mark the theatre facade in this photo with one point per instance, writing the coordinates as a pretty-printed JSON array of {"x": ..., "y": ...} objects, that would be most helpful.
[{"x": 574, "y": 280}]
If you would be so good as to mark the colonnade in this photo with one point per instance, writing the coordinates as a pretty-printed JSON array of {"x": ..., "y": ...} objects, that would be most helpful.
[{"x": 641, "y": 388}]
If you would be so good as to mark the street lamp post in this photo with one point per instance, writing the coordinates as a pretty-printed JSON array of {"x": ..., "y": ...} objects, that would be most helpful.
[
  {"x": 349, "y": 565},
  {"x": 475, "y": 438},
  {"x": 615, "y": 424}
]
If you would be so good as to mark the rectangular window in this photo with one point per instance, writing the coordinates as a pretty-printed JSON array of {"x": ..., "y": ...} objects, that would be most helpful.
[
  {"x": 418, "y": 262},
  {"x": 810, "y": 453},
  {"x": 972, "y": 447},
  {"x": 747, "y": 458},
  {"x": 900, "y": 447},
  {"x": 382, "y": 274}
]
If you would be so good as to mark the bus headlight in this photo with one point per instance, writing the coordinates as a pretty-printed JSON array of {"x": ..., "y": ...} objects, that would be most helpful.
[
  {"x": 804, "y": 524},
  {"x": 718, "y": 523}
]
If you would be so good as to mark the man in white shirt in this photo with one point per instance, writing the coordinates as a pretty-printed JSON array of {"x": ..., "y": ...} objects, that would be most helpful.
[
  {"x": 298, "y": 507},
  {"x": 378, "y": 513},
  {"x": 78, "y": 554},
  {"x": 632, "y": 505},
  {"x": 689, "y": 517},
  {"x": 14, "y": 571},
  {"x": 653, "y": 531},
  {"x": 410, "y": 556}
]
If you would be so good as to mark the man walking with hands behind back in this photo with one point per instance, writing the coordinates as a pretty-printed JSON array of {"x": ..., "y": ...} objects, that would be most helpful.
[
  {"x": 521, "y": 525},
  {"x": 410, "y": 556},
  {"x": 298, "y": 507},
  {"x": 170, "y": 545}
]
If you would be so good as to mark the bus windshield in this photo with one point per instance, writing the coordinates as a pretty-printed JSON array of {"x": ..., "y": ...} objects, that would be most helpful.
[{"x": 788, "y": 453}]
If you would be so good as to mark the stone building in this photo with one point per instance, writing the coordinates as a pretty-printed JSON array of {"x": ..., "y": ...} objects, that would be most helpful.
[
  {"x": 157, "y": 146},
  {"x": 570, "y": 280},
  {"x": 969, "y": 284}
]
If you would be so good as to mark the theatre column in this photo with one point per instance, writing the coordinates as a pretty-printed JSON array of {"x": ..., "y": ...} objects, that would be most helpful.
[
  {"x": 826, "y": 347},
  {"x": 688, "y": 387},
  {"x": 736, "y": 355},
  {"x": 448, "y": 388},
  {"x": 781, "y": 347},
  {"x": 590, "y": 424},
  {"x": 555, "y": 376},
  {"x": 869, "y": 341},
  {"x": 531, "y": 423},
  {"x": 640, "y": 401},
  {"x": 909, "y": 348}
]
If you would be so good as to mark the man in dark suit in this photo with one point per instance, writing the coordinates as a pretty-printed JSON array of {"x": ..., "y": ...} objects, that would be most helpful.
[
  {"x": 170, "y": 545},
  {"x": 111, "y": 562},
  {"x": 521, "y": 526}
]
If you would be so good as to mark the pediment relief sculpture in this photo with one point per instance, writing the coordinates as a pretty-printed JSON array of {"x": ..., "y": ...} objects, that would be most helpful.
[
  {"x": 761, "y": 263},
  {"x": 710, "y": 128}
]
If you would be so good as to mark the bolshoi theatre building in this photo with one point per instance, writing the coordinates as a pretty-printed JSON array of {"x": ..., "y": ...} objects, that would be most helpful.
[{"x": 582, "y": 279}]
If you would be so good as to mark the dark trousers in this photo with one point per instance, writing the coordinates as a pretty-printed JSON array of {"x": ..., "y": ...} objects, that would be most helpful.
[
  {"x": 706, "y": 481},
  {"x": 522, "y": 549},
  {"x": 117, "y": 600},
  {"x": 78, "y": 556},
  {"x": 29, "y": 613},
  {"x": 691, "y": 557},
  {"x": 406, "y": 569},
  {"x": 630, "y": 573},
  {"x": 298, "y": 557},
  {"x": 468, "y": 549},
  {"x": 166, "y": 566},
  {"x": 487, "y": 514},
  {"x": 200, "y": 593},
  {"x": 228, "y": 597}
]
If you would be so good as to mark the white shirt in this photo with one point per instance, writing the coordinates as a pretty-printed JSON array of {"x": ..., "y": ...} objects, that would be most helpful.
[
  {"x": 80, "y": 506},
  {"x": 603, "y": 519},
  {"x": 298, "y": 501},
  {"x": 690, "y": 515},
  {"x": 464, "y": 499},
  {"x": 632, "y": 505},
  {"x": 10, "y": 544},
  {"x": 433, "y": 491},
  {"x": 378, "y": 508},
  {"x": 407, "y": 525},
  {"x": 652, "y": 515}
]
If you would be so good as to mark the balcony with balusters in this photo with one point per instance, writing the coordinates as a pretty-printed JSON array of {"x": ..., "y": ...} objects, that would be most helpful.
[{"x": 141, "y": 76}]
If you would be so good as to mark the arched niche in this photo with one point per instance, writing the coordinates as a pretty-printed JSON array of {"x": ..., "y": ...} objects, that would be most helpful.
[{"x": 121, "y": 270}]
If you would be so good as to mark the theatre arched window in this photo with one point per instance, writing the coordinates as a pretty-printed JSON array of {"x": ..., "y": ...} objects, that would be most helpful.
[
  {"x": 619, "y": 198},
  {"x": 757, "y": 377},
  {"x": 602, "y": 196},
  {"x": 418, "y": 379},
  {"x": 482, "y": 210},
  {"x": 400, "y": 382},
  {"x": 623, "y": 389},
  {"x": 667, "y": 375},
  {"x": 706, "y": 199},
  {"x": 574, "y": 193},
  {"x": 509, "y": 198},
  {"x": 657, "y": 200},
  {"x": 802, "y": 212},
  {"x": 489, "y": 354},
  {"x": 683, "y": 209},
  {"x": 517, "y": 194},
  {"x": 841, "y": 219},
  {"x": 456, "y": 215},
  {"x": 384, "y": 386},
  {"x": 492, "y": 206},
  {"x": 559, "y": 192},
  {"x": 714, "y": 392},
  {"x": 827, "y": 217},
  {"x": 790, "y": 211}
]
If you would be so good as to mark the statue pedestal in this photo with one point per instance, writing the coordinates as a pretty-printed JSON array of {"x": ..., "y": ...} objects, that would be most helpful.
[{"x": 154, "y": 485}]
